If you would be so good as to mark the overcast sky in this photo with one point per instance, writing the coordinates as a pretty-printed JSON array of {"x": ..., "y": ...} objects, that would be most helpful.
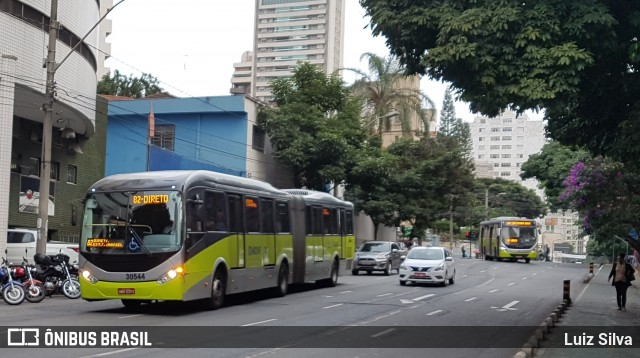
[{"x": 191, "y": 45}]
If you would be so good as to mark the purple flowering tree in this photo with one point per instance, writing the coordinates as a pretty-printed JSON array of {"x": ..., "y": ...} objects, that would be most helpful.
[{"x": 607, "y": 200}]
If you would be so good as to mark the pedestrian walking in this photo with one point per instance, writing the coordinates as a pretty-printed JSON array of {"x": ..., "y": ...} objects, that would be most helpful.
[
  {"x": 546, "y": 253},
  {"x": 622, "y": 274},
  {"x": 464, "y": 252}
]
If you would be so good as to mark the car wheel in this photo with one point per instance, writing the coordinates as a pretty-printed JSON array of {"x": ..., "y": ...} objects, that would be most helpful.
[
  {"x": 445, "y": 282},
  {"x": 369, "y": 272},
  {"x": 387, "y": 270},
  {"x": 354, "y": 272},
  {"x": 453, "y": 278},
  {"x": 403, "y": 283}
]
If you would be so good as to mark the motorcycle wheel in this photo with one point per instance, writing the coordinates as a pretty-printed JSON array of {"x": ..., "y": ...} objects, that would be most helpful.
[
  {"x": 13, "y": 295},
  {"x": 71, "y": 288},
  {"x": 35, "y": 293}
]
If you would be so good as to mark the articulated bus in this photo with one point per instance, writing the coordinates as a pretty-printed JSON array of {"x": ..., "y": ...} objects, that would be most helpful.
[
  {"x": 509, "y": 238},
  {"x": 199, "y": 235}
]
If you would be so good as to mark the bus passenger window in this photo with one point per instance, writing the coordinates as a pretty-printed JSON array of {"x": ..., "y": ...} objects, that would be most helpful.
[
  {"x": 282, "y": 217},
  {"x": 267, "y": 215},
  {"x": 235, "y": 214},
  {"x": 252, "y": 214},
  {"x": 349, "y": 223}
]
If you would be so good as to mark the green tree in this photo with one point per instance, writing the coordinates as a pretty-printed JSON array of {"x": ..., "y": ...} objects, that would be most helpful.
[
  {"x": 385, "y": 90},
  {"x": 550, "y": 167},
  {"x": 315, "y": 127},
  {"x": 121, "y": 85},
  {"x": 506, "y": 198},
  {"x": 447, "y": 115},
  {"x": 579, "y": 60}
]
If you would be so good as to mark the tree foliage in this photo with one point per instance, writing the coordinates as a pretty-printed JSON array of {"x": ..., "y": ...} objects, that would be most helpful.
[
  {"x": 550, "y": 167},
  {"x": 447, "y": 115},
  {"x": 315, "y": 127},
  {"x": 578, "y": 60},
  {"x": 121, "y": 85},
  {"x": 385, "y": 91},
  {"x": 506, "y": 198}
]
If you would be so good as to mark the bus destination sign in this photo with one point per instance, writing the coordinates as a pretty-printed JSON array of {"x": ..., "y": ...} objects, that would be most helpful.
[
  {"x": 150, "y": 199},
  {"x": 105, "y": 243},
  {"x": 519, "y": 223}
]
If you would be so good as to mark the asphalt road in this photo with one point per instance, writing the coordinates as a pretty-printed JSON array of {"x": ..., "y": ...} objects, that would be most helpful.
[{"x": 382, "y": 313}]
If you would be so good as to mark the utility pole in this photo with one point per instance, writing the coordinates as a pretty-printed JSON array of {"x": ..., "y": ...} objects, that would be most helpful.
[
  {"x": 486, "y": 204},
  {"x": 45, "y": 162},
  {"x": 47, "y": 122}
]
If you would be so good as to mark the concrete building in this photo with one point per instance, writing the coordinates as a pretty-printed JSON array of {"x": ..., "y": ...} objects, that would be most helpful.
[
  {"x": 104, "y": 30},
  {"x": 76, "y": 161},
  {"x": 242, "y": 78},
  {"x": 289, "y": 31},
  {"x": 209, "y": 133},
  {"x": 505, "y": 143},
  {"x": 565, "y": 226}
]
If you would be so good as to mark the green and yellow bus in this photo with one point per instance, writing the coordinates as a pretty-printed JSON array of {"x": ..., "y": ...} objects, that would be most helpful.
[
  {"x": 509, "y": 238},
  {"x": 199, "y": 235}
]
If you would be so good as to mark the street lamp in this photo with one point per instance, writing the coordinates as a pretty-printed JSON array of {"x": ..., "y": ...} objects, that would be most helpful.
[
  {"x": 486, "y": 202},
  {"x": 47, "y": 126}
]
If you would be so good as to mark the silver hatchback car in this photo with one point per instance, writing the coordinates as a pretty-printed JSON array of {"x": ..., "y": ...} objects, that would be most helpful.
[
  {"x": 378, "y": 256},
  {"x": 428, "y": 265}
]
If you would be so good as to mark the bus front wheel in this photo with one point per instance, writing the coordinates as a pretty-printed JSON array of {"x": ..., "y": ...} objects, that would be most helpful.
[
  {"x": 283, "y": 280},
  {"x": 218, "y": 290}
]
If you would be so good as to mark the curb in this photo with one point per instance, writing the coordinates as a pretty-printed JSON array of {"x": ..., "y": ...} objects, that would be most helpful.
[
  {"x": 587, "y": 278},
  {"x": 529, "y": 349}
]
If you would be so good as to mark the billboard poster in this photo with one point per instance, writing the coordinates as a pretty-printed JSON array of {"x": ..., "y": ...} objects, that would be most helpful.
[{"x": 30, "y": 196}]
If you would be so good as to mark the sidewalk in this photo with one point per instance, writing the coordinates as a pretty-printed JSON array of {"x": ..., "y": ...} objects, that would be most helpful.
[{"x": 596, "y": 306}]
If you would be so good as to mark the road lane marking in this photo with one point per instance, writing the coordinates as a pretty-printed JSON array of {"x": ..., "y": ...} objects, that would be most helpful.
[
  {"x": 483, "y": 271},
  {"x": 511, "y": 284},
  {"x": 533, "y": 274},
  {"x": 524, "y": 278},
  {"x": 382, "y": 333},
  {"x": 328, "y": 296},
  {"x": 385, "y": 294},
  {"x": 587, "y": 286},
  {"x": 110, "y": 353},
  {"x": 434, "y": 312},
  {"x": 346, "y": 291},
  {"x": 470, "y": 299},
  {"x": 465, "y": 275},
  {"x": 507, "y": 307},
  {"x": 492, "y": 291},
  {"x": 339, "y": 304},
  {"x": 381, "y": 278},
  {"x": 423, "y": 297},
  {"x": 255, "y": 323},
  {"x": 129, "y": 316}
]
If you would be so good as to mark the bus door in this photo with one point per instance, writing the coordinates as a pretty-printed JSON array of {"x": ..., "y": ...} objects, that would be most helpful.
[
  {"x": 268, "y": 231},
  {"x": 331, "y": 240},
  {"x": 256, "y": 243},
  {"x": 236, "y": 219}
]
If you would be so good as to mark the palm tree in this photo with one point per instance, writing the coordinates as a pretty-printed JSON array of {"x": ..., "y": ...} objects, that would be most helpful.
[{"x": 385, "y": 90}]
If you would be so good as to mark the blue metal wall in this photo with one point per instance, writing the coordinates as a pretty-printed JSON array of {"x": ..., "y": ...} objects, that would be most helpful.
[{"x": 210, "y": 133}]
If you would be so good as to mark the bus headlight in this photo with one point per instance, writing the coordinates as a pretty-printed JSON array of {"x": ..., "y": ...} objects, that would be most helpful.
[
  {"x": 89, "y": 277},
  {"x": 170, "y": 275}
]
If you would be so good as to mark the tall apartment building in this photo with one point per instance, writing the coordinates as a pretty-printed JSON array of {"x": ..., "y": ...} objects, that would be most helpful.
[
  {"x": 289, "y": 31},
  {"x": 242, "y": 77},
  {"x": 104, "y": 30},
  {"x": 505, "y": 143}
]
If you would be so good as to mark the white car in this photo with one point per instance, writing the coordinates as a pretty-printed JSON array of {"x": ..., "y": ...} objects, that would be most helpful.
[{"x": 428, "y": 265}]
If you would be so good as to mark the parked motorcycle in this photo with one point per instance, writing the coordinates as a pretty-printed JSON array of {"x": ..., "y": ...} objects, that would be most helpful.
[
  {"x": 56, "y": 273},
  {"x": 33, "y": 288},
  {"x": 12, "y": 291}
]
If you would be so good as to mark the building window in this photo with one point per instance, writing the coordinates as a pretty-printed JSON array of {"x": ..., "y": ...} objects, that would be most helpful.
[
  {"x": 507, "y": 129},
  {"x": 494, "y": 156},
  {"x": 480, "y": 156},
  {"x": 480, "y": 130},
  {"x": 520, "y": 155},
  {"x": 495, "y": 138},
  {"x": 55, "y": 171},
  {"x": 506, "y": 137},
  {"x": 164, "y": 136},
  {"x": 505, "y": 174},
  {"x": 72, "y": 174},
  {"x": 481, "y": 147},
  {"x": 506, "y": 155},
  {"x": 506, "y": 147},
  {"x": 495, "y": 130},
  {"x": 257, "y": 141},
  {"x": 494, "y": 147},
  {"x": 496, "y": 164},
  {"x": 507, "y": 120},
  {"x": 34, "y": 166},
  {"x": 506, "y": 164}
]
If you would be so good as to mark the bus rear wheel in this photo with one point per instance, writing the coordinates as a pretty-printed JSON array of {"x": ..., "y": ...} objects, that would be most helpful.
[
  {"x": 527, "y": 260},
  {"x": 332, "y": 281},
  {"x": 131, "y": 304},
  {"x": 283, "y": 281}
]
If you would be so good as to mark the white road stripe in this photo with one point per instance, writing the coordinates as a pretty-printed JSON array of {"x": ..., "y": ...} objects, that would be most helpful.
[
  {"x": 255, "y": 323},
  {"x": 133, "y": 315},
  {"x": 524, "y": 278},
  {"x": 423, "y": 297},
  {"x": 512, "y": 303},
  {"x": 110, "y": 353},
  {"x": 434, "y": 312},
  {"x": 492, "y": 291},
  {"x": 385, "y": 294},
  {"x": 339, "y": 304},
  {"x": 511, "y": 284},
  {"x": 483, "y": 271},
  {"x": 346, "y": 291},
  {"x": 383, "y": 332},
  {"x": 465, "y": 275},
  {"x": 470, "y": 299}
]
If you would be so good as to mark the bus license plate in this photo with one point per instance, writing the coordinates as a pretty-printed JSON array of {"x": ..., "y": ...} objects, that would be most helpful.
[{"x": 126, "y": 291}]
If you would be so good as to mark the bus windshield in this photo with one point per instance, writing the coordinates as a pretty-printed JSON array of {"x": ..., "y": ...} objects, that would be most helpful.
[
  {"x": 130, "y": 223},
  {"x": 519, "y": 237}
]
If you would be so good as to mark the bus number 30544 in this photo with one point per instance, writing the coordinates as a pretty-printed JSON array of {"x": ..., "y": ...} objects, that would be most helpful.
[{"x": 134, "y": 276}]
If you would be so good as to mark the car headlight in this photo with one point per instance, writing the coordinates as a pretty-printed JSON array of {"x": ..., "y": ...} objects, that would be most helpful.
[
  {"x": 403, "y": 267},
  {"x": 439, "y": 267},
  {"x": 89, "y": 277},
  {"x": 170, "y": 275}
]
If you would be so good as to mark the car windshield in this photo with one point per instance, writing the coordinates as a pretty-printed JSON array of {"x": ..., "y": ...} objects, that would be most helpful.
[
  {"x": 375, "y": 247},
  {"x": 427, "y": 254}
]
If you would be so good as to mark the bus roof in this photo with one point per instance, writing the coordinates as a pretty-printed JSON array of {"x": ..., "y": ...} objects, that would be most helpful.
[
  {"x": 180, "y": 180},
  {"x": 319, "y": 196},
  {"x": 504, "y": 218}
]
